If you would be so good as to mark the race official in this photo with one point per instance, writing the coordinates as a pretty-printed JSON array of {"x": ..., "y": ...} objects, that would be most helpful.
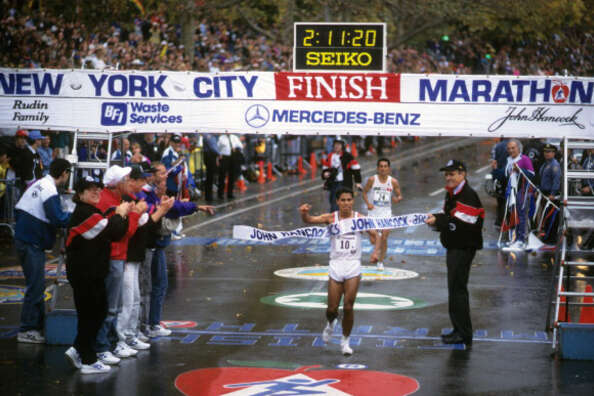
[
  {"x": 38, "y": 214},
  {"x": 460, "y": 227}
]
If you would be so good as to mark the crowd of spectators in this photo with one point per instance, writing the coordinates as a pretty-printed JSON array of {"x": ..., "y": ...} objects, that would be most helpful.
[{"x": 152, "y": 43}]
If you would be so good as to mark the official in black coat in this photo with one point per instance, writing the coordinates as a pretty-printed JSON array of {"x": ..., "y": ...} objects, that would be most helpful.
[
  {"x": 460, "y": 228},
  {"x": 87, "y": 264}
]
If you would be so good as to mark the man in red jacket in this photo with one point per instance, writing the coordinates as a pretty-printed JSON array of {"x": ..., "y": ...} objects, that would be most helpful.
[{"x": 116, "y": 185}]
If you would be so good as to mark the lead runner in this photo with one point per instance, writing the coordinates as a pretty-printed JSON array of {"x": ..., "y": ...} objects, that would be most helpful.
[{"x": 344, "y": 268}]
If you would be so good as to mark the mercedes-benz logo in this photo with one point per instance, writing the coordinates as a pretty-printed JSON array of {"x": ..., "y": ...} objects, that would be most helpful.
[{"x": 257, "y": 116}]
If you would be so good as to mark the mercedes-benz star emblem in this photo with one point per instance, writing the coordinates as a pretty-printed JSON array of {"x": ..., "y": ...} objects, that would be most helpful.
[{"x": 257, "y": 116}]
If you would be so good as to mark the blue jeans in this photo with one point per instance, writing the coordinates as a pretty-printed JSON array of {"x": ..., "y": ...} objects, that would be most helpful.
[
  {"x": 159, "y": 282},
  {"x": 32, "y": 260},
  {"x": 113, "y": 289}
]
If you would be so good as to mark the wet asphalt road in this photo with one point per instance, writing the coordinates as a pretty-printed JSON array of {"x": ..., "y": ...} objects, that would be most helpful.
[{"x": 220, "y": 283}]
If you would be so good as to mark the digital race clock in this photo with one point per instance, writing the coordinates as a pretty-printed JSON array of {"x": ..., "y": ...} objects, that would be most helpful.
[{"x": 339, "y": 46}]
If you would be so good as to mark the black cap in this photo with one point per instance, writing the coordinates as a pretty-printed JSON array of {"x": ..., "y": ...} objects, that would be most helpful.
[
  {"x": 139, "y": 172},
  {"x": 175, "y": 138},
  {"x": 549, "y": 147},
  {"x": 86, "y": 183},
  {"x": 454, "y": 165}
]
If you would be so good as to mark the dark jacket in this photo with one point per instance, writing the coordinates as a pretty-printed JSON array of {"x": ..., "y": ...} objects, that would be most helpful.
[
  {"x": 350, "y": 168},
  {"x": 90, "y": 235},
  {"x": 461, "y": 224},
  {"x": 143, "y": 235}
]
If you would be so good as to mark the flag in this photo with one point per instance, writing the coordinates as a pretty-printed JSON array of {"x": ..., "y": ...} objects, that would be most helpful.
[{"x": 138, "y": 5}]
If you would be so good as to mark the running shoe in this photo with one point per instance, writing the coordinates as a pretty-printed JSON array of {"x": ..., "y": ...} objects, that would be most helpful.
[
  {"x": 345, "y": 347},
  {"x": 30, "y": 337},
  {"x": 95, "y": 368},
  {"x": 124, "y": 346},
  {"x": 380, "y": 266},
  {"x": 108, "y": 358},
  {"x": 327, "y": 333},
  {"x": 73, "y": 357}
]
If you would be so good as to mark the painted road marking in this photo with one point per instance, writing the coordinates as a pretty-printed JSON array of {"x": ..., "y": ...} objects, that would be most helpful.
[
  {"x": 434, "y": 193},
  {"x": 10, "y": 294},
  {"x": 364, "y": 301},
  {"x": 289, "y": 335},
  {"x": 484, "y": 168},
  {"x": 368, "y": 272}
]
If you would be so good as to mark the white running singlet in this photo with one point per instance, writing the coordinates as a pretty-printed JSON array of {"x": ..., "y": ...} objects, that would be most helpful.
[
  {"x": 345, "y": 254},
  {"x": 382, "y": 197}
]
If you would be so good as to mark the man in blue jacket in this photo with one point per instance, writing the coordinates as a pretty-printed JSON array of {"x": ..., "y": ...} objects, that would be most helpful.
[{"x": 38, "y": 214}]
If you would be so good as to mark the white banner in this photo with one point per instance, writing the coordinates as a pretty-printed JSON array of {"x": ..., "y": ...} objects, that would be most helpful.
[
  {"x": 359, "y": 224},
  {"x": 296, "y": 103}
]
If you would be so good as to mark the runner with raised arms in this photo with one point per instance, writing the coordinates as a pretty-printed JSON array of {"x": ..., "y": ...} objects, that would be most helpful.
[
  {"x": 385, "y": 191},
  {"x": 344, "y": 266}
]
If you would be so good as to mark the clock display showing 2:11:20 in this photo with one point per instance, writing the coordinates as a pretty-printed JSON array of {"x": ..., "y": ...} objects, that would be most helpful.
[{"x": 341, "y": 38}]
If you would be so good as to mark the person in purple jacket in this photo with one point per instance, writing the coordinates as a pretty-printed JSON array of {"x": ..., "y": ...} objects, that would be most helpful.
[
  {"x": 516, "y": 163},
  {"x": 158, "y": 273}
]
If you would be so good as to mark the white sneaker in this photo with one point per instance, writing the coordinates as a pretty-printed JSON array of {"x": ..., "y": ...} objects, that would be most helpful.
[
  {"x": 517, "y": 246},
  {"x": 344, "y": 345},
  {"x": 327, "y": 333},
  {"x": 122, "y": 351},
  {"x": 380, "y": 266},
  {"x": 73, "y": 357},
  {"x": 108, "y": 358},
  {"x": 130, "y": 351},
  {"x": 135, "y": 343},
  {"x": 142, "y": 337},
  {"x": 95, "y": 368},
  {"x": 30, "y": 337},
  {"x": 158, "y": 331}
]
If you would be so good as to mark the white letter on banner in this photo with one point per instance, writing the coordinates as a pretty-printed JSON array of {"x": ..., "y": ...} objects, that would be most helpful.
[{"x": 381, "y": 87}]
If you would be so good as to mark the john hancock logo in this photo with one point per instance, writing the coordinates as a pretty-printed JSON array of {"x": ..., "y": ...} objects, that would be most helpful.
[{"x": 113, "y": 113}]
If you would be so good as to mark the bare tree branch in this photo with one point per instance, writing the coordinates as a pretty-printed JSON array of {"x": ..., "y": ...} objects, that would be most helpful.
[{"x": 255, "y": 26}]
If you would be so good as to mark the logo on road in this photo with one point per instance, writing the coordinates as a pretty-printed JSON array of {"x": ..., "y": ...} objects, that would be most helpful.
[
  {"x": 368, "y": 272},
  {"x": 257, "y": 116},
  {"x": 365, "y": 301}
]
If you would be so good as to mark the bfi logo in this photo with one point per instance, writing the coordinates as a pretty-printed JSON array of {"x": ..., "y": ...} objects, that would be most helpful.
[{"x": 113, "y": 113}]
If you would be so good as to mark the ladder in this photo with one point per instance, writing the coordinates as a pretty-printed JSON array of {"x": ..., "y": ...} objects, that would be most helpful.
[
  {"x": 92, "y": 165},
  {"x": 578, "y": 216}
]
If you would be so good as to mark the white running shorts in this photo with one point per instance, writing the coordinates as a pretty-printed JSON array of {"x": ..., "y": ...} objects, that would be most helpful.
[{"x": 341, "y": 270}]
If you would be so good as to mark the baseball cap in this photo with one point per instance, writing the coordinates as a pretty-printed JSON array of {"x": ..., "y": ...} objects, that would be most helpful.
[
  {"x": 549, "y": 147},
  {"x": 115, "y": 174},
  {"x": 454, "y": 165},
  {"x": 175, "y": 138},
  {"x": 35, "y": 135},
  {"x": 140, "y": 172},
  {"x": 22, "y": 133},
  {"x": 86, "y": 183}
]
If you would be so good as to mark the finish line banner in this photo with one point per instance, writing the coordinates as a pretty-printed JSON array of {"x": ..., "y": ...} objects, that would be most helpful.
[
  {"x": 329, "y": 103},
  {"x": 358, "y": 224}
]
